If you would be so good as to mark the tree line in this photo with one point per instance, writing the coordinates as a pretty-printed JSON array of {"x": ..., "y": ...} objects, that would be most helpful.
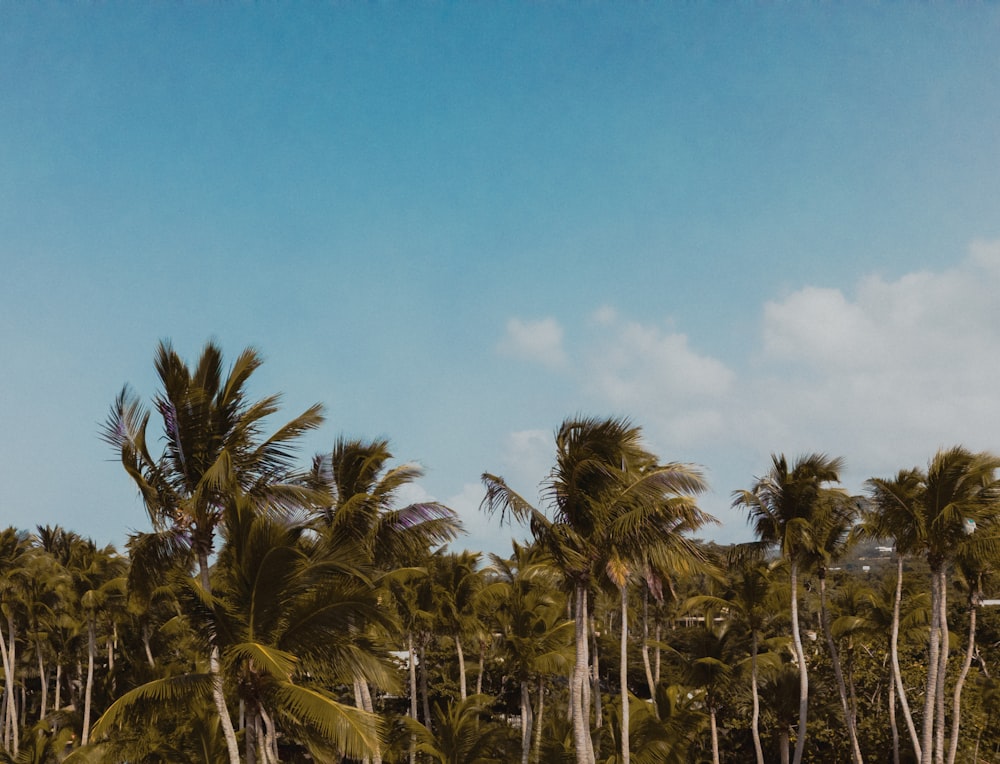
[{"x": 279, "y": 611}]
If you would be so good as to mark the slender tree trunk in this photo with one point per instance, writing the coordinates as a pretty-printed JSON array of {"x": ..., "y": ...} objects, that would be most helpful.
[
  {"x": 892, "y": 722},
  {"x": 595, "y": 677},
  {"x": 580, "y": 704},
  {"x": 482, "y": 666},
  {"x": 369, "y": 706},
  {"x": 939, "y": 720},
  {"x": 645, "y": 643},
  {"x": 58, "y": 699},
  {"x": 956, "y": 708},
  {"x": 656, "y": 656},
  {"x": 413, "y": 694},
  {"x": 838, "y": 673},
  {"x": 359, "y": 703},
  {"x": 250, "y": 737},
  {"x": 800, "y": 740},
  {"x": 42, "y": 678},
  {"x": 91, "y": 649},
  {"x": 461, "y": 667},
  {"x": 145, "y": 645},
  {"x": 424, "y": 695},
  {"x": 215, "y": 672},
  {"x": 897, "y": 675},
  {"x": 714, "y": 726},
  {"x": 270, "y": 746},
  {"x": 933, "y": 650},
  {"x": 783, "y": 745},
  {"x": 9, "y": 703},
  {"x": 623, "y": 669},
  {"x": 538, "y": 720},
  {"x": 526, "y": 721},
  {"x": 755, "y": 724}
]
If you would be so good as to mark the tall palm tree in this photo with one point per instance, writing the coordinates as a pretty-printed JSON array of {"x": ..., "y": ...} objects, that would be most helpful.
[
  {"x": 831, "y": 528},
  {"x": 610, "y": 501},
  {"x": 536, "y": 637},
  {"x": 894, "y": 512},
  {"x": 362, "y": 508},
  {"x": 961, "y": 493},
  {"x": 285, "y": 609},
  {"x": 214, "y": 447},
  {"x": 15, "y": 551},
  {"x": 781, "y": 506},
  {"x": 974, "y": 562}
]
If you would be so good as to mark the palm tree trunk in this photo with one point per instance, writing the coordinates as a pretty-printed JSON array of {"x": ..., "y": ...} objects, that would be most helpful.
[
  {"x": 359, "y": 703},
  {"x": 461, "y": 667},
  {"x": 424, "y": 695},
  {"x": 538, "y": 719},
  {"x": 526, "y": 722},
  {"x": 897, "y": 674},
  {"x": 57, "y": 703},
  {"x": 933, "y": 650},
  {"x": 91, "y": 649},
  {"x": 783, "y": 745},
  {"x": 270, "y": 747},
  {"x": 215, "y": 672},
  {"x": 714, "y": 726},
  {"x": 369, "y": 706},
  {"x": 956, "y": 709},
  {"x": 892, "y": 722},
  {"x": 623, "y": 669},
  {"x": 482, "y": 666},
  {"x": 645, "y": 643},
  {"x": 413, "y": 694},
  {"x": 755, "y": 724},
  {"x": 939, "y": 720},
  {"x": 42, "y": 678},
  {"x": 146, "y": 647},
  {"x": 250, "y": 736},
  {"x": 595, "y": 677},
  {"x": 838, "y": 672},
  {"x": 800, "y": 740},
  {"x": 656, "y": 655},
  {"x": 580, "y": 707},
  {"x": 10, "y": 701}
]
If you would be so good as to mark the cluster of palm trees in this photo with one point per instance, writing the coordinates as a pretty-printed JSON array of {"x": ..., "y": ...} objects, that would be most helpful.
[{"x": 278, "y": 612}]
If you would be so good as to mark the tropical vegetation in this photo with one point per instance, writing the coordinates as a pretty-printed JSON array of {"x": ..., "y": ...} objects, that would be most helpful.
[{"x": 288, "y": 609}]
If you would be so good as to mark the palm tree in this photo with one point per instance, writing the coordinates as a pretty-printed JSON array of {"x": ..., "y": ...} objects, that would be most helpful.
[
  {"x": 98, "y": 575},
  {"x": 894, "y": 512},
  {"x": 285, "y": 609},
  {"x": 363, "y": 493},
  {"x": 214, "y": 448},
  {"x": 15, "y": 551},
  {"x": 831, "y": 535},
  {"x": 463, "y": 733},
  {"x": 610, "y": 501},
  {"x": 961, "y": 493},
  {"x": 749, "y": 599},
  {"x": 974, "y": 563},
  {"x": 536, "y": 637},
  {"x": 781, "y": 507},
  {"x": 708, "y": 658}
]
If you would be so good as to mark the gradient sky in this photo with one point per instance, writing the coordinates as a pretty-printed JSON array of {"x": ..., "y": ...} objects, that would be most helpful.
[{"x": 751, "y": 228}]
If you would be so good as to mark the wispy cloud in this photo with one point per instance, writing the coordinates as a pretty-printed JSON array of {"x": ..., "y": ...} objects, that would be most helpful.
[
  {"x": 539, "y": 341},
  {"x": 883, "y": 374}
]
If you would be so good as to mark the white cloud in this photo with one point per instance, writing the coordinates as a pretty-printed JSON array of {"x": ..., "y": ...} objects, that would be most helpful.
[
  {"x": 890, "y": 374},
  {"x": 539, "y": 341},
  {"x": 658, "y": 378},
  {"x": 883, "y": 374}
]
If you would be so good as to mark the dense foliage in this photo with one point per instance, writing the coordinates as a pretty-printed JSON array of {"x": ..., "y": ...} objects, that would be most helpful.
[{"x": 279, "y": 612}]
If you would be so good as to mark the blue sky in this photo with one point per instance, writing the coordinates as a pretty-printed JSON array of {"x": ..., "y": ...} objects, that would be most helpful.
[{"x": 751, "y": 228}]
